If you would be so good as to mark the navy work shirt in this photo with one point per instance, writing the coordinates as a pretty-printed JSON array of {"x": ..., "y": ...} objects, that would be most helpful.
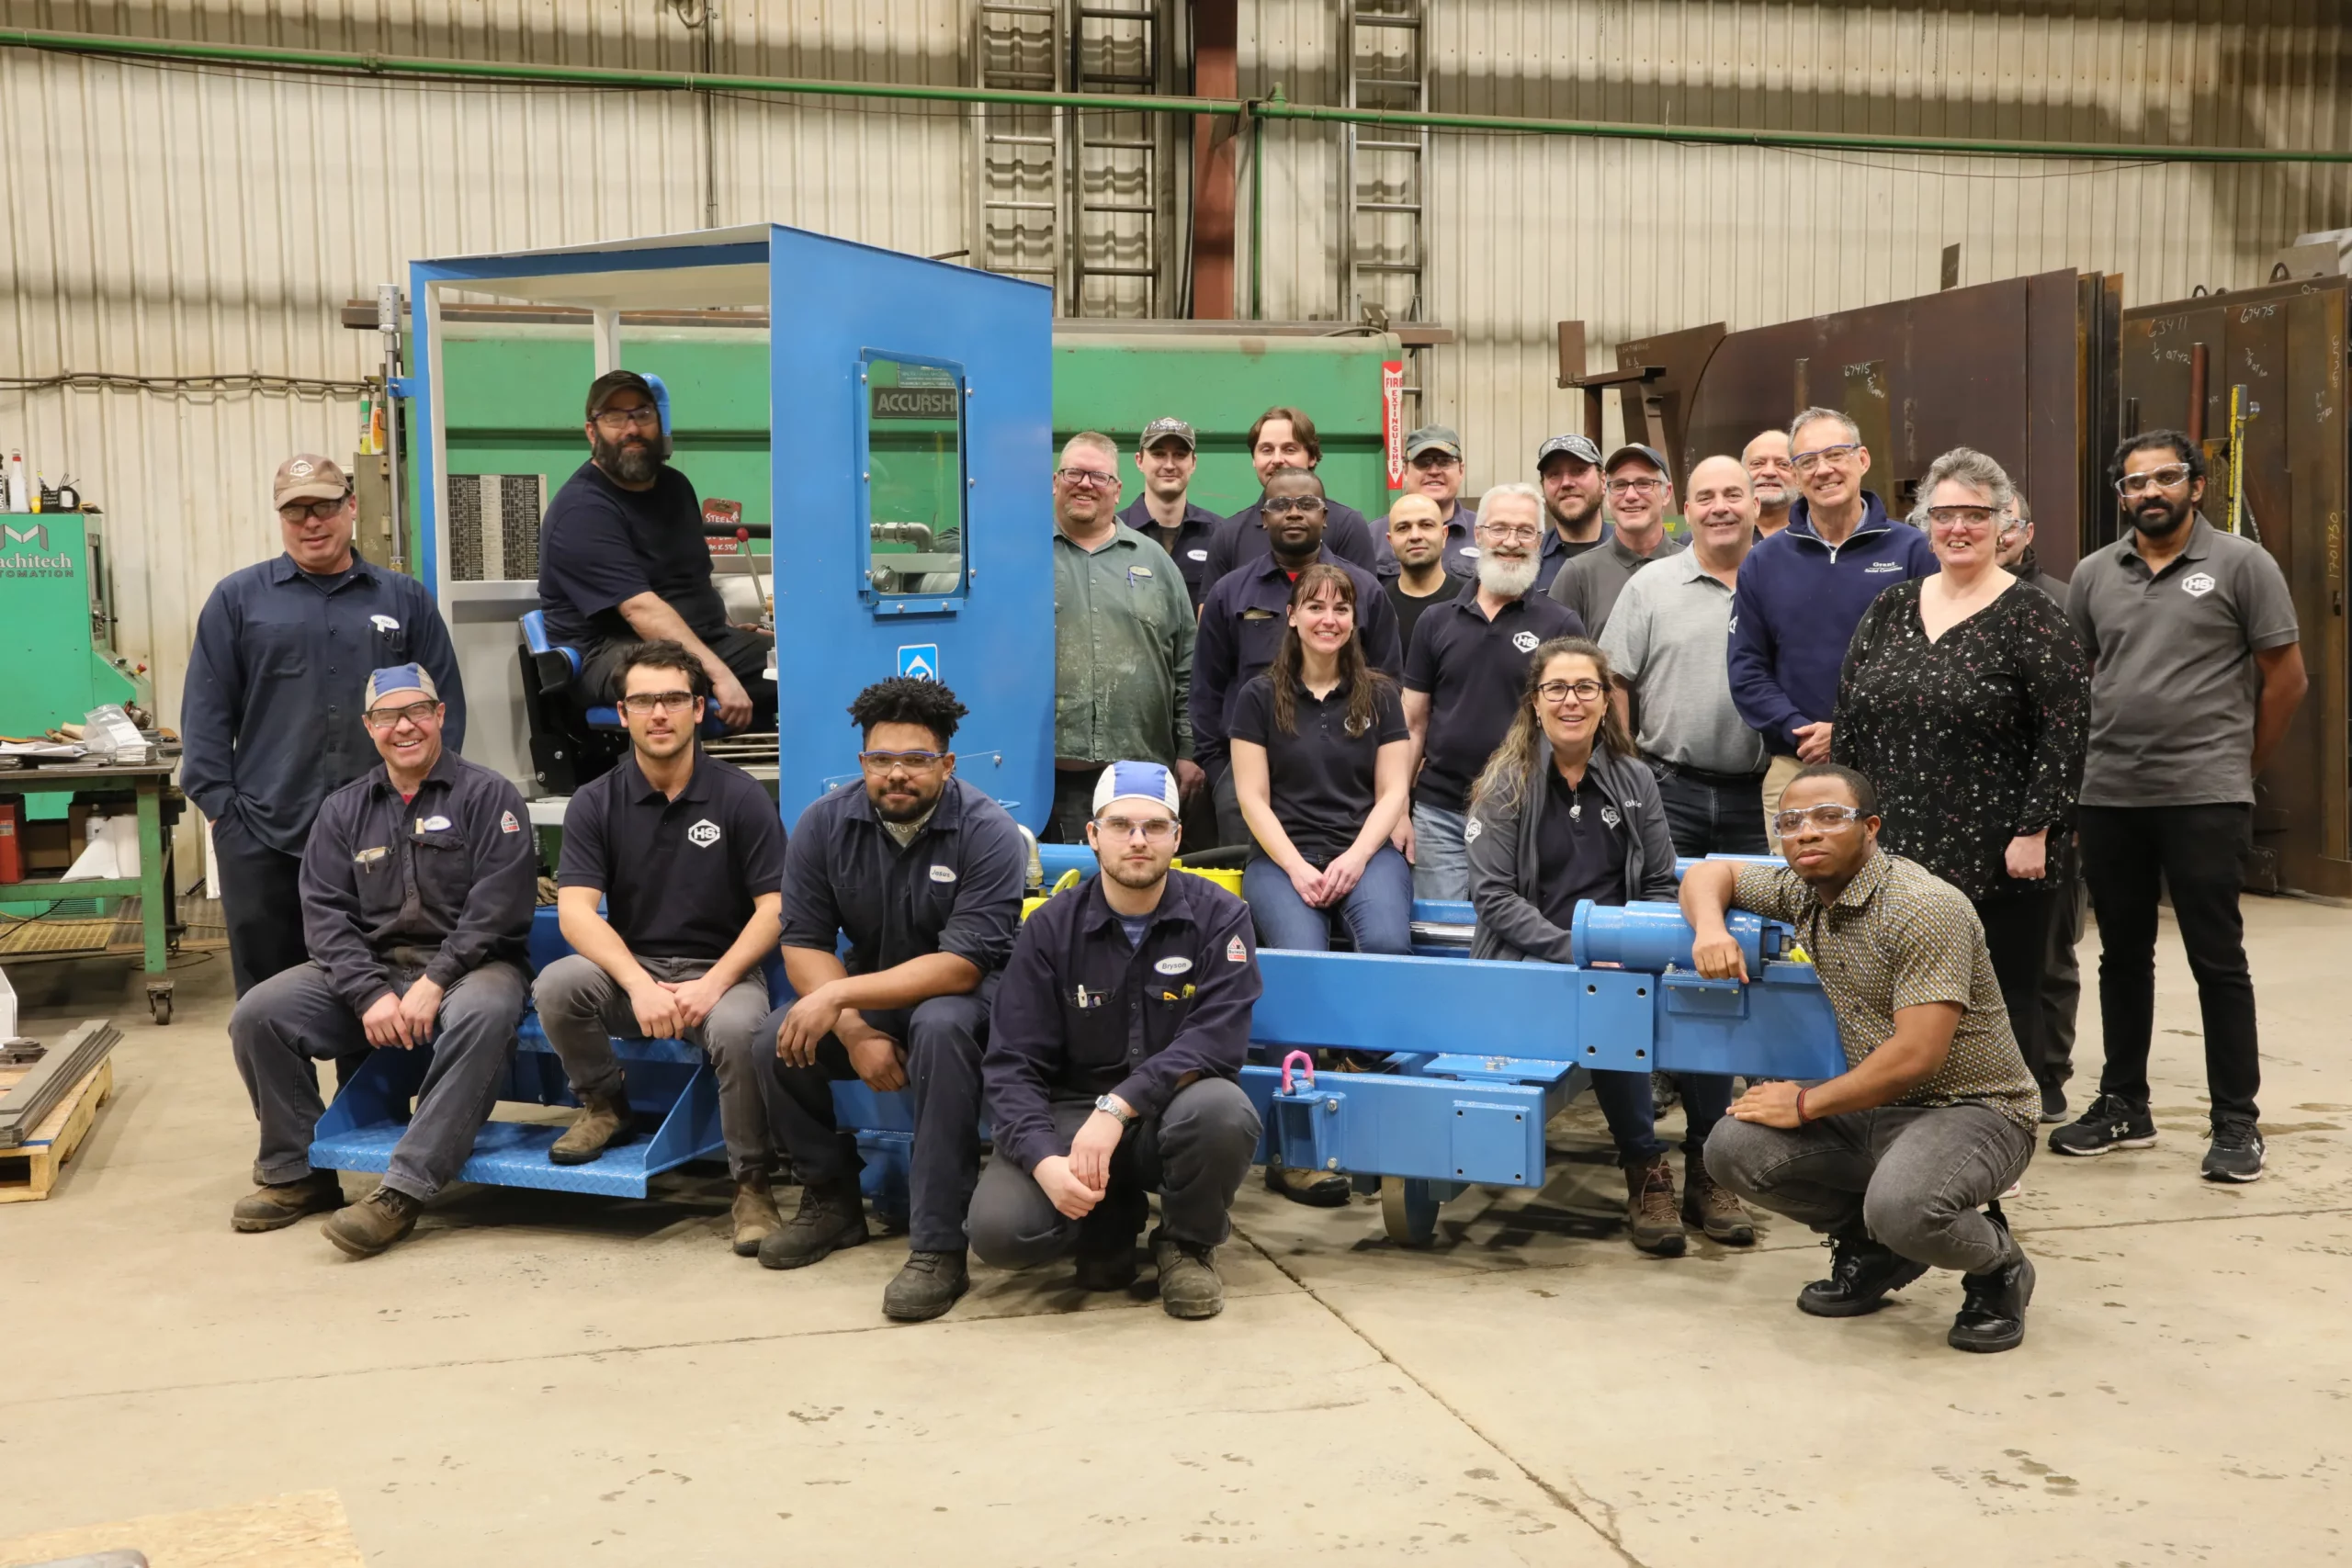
[
  {"x": 1321, "y": 777},
  {"x": 1189, "y": 545},
  {"x": 1081, "y": 1012},
  {"x": 1242, "y": 539},
  {"x": 269, "y": 717},
  {"x": 1474, "y": 671},
  {"x": 1579, "y": 849},
  {"x": 453, "y": 871},
  {"x": 679, "y": 877},
  {"x": 1241, "y": 630},
  {"x": 600, "y": 543},
  {"x": 955, "y": 889},
  {"x": 1558, "y": 552}
]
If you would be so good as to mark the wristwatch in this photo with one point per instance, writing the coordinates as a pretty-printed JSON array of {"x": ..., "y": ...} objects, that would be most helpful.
[{"x": 1110, "y": 1107}]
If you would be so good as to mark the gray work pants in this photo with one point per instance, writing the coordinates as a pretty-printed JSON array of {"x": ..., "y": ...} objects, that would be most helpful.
[
  {"x": 294, "y": 1019},
  {"x": 582, "y": 1008},
  {"x": 1194, "y": 1154},
  {"x": 1913, "y": 1177}
]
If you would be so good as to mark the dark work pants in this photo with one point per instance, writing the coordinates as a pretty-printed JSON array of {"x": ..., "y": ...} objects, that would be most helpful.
[
  {"x": 1712, "y": 814},
  {"x": 2201, "y": 851},
  {"x": 2016, "y": 930},
  {"x": 2061, "y": 980},
  {"x": 294, "y": 1019},
  {"x": 261, "y": 903},
  {"x": 1232, "y": 828},
  {"x": 1626, "y": 1101},
  {"x": 745, "y": 653},
  {"x": 944, "y": 1038},
  {"x": 1194, "y": 1154}
]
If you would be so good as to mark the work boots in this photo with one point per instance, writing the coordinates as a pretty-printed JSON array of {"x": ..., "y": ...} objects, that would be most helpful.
[
  {"x": 373, "y": 1224},
  {"x": 755, "y": 1214},
  {"x": 1861, "y": 1274},
  {"x": 1189, "y": 1284},
  {"x": 1711, "y": 1207},
  {"x": 1315, "y": 1188},
  {"x": 925, "y": 1286},
  {"x": 831, "y": 1216},
  {"x": 603, "y": 1120},
  {"x": 1992, "y": 1311},
  {"x": 275, "y": 1205},
  {"x": 1651, "y": 1223}
]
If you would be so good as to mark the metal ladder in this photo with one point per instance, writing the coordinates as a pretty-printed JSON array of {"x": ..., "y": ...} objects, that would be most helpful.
[
  {"x": 1017, "y": 204},
  {"x": 1384, "y": 241},
  {"x": 1117, "y": 160}
]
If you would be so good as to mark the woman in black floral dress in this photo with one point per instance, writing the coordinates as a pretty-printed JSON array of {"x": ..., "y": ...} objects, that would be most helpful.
[{"x": 1965, "y": 698}]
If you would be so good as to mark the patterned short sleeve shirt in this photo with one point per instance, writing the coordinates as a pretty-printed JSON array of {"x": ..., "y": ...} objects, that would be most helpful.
[{"x": 1900, "y": 936}]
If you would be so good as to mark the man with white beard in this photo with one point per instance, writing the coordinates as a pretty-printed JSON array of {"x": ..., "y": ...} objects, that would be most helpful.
[
  {"x": 1641, "y": 494},
  {"x": 1463, "y": 679}
]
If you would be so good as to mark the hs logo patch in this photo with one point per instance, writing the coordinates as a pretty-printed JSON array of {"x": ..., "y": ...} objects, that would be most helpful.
[
  {"x": 702, "y": 834},
  {"x": 1525, "y": 642},
  {"x": 2198, "y": 585}
]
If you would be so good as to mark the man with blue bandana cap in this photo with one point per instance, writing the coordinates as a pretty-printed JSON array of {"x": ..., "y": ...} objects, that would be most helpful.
[
  {"x": 1114, "y": 1049},
  {"x": 417, "y": 886}
]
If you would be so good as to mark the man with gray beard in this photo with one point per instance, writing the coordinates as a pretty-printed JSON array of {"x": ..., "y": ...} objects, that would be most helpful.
[
  {"x": 1463, "y": 676},
  {"x": 622, "y": 560}
]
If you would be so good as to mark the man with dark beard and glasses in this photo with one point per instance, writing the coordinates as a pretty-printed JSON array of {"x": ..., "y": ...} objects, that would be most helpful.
[
  {"x": 622, "y": 561},
  {"x": 2196, "y": 667},
  {"x": 922, "y": 872}
]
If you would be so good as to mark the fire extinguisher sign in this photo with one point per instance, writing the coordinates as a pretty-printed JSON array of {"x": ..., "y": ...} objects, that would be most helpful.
[{"x": 1392, "y": 420}]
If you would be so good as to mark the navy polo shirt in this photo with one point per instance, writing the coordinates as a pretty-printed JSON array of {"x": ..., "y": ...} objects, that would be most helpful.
[
  {"x": 1082, "y": 1011},
  {"x": 1579, "y": 852},
  {"x": 679, "y": 877},
  {"x": 600, "y": 543},
  {"x": 269, "y": 717},
  {"x": 1474, "y": 671},
  {"x": 1242, "y": 629},
  {"x": 1188, "y": 546},
  {"x": 955, "y": 889},
  {"x": 1319, "y": 775},
  {"x": 1242, "y": 539}
]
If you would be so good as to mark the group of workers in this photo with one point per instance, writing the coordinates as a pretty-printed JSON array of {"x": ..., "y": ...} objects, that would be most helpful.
[{"x": 1538, "y": 704}]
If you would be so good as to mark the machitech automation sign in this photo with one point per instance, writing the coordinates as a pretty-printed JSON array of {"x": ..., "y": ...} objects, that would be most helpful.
[{"x": 25, "y": 552}]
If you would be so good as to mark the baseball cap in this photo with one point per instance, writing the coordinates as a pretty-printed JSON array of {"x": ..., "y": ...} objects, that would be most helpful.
[
  {"x": 400, "y": 678},
  {"x": 306, "y": 476},
  {"x": 1581, "y": 448},
  {"x": 1170, "y": 429},
  {"x": 601, "y": 390},
  {"x": 1650, "y": 455},
  {"x": 1136, "y": 781},
  {"x": 1434, "y": 438}
]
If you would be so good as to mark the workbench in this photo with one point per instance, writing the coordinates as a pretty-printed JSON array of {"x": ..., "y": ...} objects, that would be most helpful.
[{"x": 148, "y": 782}]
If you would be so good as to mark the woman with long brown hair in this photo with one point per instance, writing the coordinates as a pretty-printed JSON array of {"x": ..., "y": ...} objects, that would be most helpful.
[{"x": 1566, "y": 811}]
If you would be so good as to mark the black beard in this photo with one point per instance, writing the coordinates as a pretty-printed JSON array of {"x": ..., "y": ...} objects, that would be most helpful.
[
  {"x": 631, "y": 465},
  {"x": 2165, "y": 524}
]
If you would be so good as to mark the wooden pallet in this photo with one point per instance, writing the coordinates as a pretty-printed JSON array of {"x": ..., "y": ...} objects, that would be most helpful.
[{"x": 31, "y": 1171}]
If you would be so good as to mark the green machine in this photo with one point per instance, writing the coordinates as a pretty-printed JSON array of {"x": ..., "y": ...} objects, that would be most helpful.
[{"x": 56, "y": 623}]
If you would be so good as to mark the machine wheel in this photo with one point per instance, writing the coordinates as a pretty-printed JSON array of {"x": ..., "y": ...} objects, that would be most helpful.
[
  {"x": 1407, "y": 1211},
  {"x": 160, "y": 1004}
]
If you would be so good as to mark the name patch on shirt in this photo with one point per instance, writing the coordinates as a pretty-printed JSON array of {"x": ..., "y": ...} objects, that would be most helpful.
[
  {"x": 433, "y": 823},
  {"x": 385, "y": 622},
  {"x": 1197, "y": 555},
  {"x": 1257, "y": 614},
  {"x": 506, "y": 823},
  {"x": 1877, "y": 566},
  {"x": 1235, "y": 953},
  {"x": 702, "y": 834},
  {"x": 1173, "y": 965},
  {"x": 943, "y": 873},
  {"x": 368, "y": 857},
  {"x": 1138, "y": 574}
]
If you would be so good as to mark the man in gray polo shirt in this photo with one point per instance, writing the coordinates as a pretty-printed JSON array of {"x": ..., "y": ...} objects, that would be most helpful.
[
  {"x": 1666, "y": 641},
  {"x": 2197, "y": 671},
  {"x": 1641, "y": 492}
]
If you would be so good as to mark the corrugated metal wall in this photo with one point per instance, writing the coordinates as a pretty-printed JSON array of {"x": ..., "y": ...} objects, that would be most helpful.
[{"x": 174, "y": 221}]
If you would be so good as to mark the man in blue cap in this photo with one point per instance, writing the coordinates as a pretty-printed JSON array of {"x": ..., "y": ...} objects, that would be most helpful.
[
  {"x": 1114, "y": 1049},
  {"x": 417, "y": 888}
]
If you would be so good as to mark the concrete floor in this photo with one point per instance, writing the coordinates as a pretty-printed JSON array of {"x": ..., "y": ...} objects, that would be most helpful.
[{"x": 536, "y": 1378}]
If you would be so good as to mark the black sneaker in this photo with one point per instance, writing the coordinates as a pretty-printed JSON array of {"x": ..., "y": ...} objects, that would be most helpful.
[
  {"x": 2111, "y": 1122},
  {"x": 2053, "y": 1104},
  {"x": 2236, "y": 1153},
  {"x": 1992, "y": 1310},
  {"x": 1861, "y": 1274}
]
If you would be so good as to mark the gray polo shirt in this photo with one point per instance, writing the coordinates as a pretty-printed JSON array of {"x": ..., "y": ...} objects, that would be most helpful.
[
  {"x": 1590, "y": 583},
  {"x": 2174, "y": 683},
  {"x": 1668, "y": 635}
]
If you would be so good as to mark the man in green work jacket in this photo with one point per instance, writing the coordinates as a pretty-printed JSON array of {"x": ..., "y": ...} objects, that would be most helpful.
[{"x": 1123, "y": 640}]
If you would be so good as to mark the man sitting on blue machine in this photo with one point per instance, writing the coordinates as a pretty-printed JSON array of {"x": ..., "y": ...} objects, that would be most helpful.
[
  {"x": 1935, "y": 1114},
  {"x": 923, "y": 874},
  {"x": 417, "y": 884},
  {"x": 685, "y": 851},
  {"x": 1114, "y": 1051}
]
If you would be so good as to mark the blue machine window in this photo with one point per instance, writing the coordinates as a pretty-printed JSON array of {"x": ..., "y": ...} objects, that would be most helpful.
[{"x": 912, "y": 417}]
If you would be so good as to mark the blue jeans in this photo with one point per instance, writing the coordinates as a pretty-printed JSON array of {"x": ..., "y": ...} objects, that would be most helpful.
[
  {"x": 1624, "y": 1099},
  {"x": 1440, "y": 858},
  {"x": 1378, "y": 911}
]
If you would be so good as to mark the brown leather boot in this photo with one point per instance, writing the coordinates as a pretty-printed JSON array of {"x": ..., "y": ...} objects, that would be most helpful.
[
  {"x": 1709, "y": 1206},
  {"x": 604, "y": 1121},
  {"x": 1651, "y": 1224},
  {"x": 755, "y": 1216},
  {"x": 373, "y": 1224},
  {"x": 275, "y": 1206}
]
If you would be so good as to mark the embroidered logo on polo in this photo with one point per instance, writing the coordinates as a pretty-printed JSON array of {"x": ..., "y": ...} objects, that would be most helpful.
[
  {"x": 1525, "y": 642},
  {"x": 702, "y": 834},
  {"x": 1471, "y": 830},
  {"x": 1609, "y": 815},
  {"x": 2198, "y": 584},
  {"x": 1235, "y": 952},
  {"x": 506, "y": 823}
]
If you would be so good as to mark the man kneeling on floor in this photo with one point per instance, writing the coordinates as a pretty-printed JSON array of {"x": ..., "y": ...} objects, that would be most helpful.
[
  {"x": 1934, "y": 1116},
  {"x": 417, "y": 884},
  {"x": 1114, "y": 1048},
  {"x": 923, "y": 874},
  {"x": 685, "y": 851}
]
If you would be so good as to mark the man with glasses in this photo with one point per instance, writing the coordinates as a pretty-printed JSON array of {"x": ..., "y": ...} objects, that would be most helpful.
[
  {"x": 2197, "y": 667},
  {"x": 1165, "y": 456},
  {"x": 1433, "y": 468},
  {"x": 1773, "y": 478},
  {"x": 685, "y": 854},
  {"x": 924, "y": 874},
  {"x": 1463, "y": 679},
  {"x": 417, "y": 886},
  {"x": 1641, "y": 492},
  {"x": 1242, "y": 625},
  {"x": 1122, "y": 640},
  {"x": 1933, "y": 1119},
  {"x": 1802, "y": 591},
  {"x": 1114, "y": 1051},
  {"x": 1568, "y": 467},
  {"x": 623, "y": 560},
  {"x": 270, "y": 715},
  {"x": 1286, "y": 439}
]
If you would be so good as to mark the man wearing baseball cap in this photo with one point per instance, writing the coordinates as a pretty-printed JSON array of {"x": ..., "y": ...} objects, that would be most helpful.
[
  {"x": 417, "y": 888},
  {"x": 1641, "y": 493},
  {"x": 1568, "y": 469},
  {"x": 1433, "y": 467},
  {"x": 1167, "y": 454},
  {"x": 1114, "y": 1053},
  {"x": 270, "y": 713},
  {"x": 622, "y": 560}
]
